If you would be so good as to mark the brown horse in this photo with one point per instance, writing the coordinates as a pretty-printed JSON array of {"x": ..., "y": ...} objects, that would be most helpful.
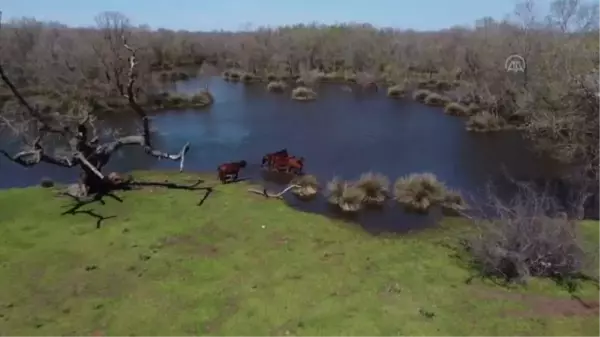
[
  {"x": 288, "y": 164},
  {"x": 270, "y": 158},
  {"x": 229, "y": 172}
]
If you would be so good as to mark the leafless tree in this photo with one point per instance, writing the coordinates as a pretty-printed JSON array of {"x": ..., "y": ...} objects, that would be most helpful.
[
  {"x": 75, "y": 125},
  {"x": 530, "y": 235}
]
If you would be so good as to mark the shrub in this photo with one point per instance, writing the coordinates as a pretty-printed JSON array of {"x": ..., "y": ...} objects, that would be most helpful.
[
  {"x": 203, "y": 98},
  {"x": 234, "y": 75},
  {"x": 46, "y": 183},
  {"x": 276, "y": 86},
  {"x": 350, "y": 77},
  {"x": 344, "y": 195},
  {"x": 308, "y": 186},
  {"x": 335, "y": 189},
  {"x": 333, "y": 77},
  {"x": 420, "y": 95},
  {"x": 375, "y": 187},
  {"x": 435, "y": 99},
  {"x": 443, "y": 86},
  {"x": 303, "y": 94},
  {"x": 456, "y": 109},
  {"x": 419, "y": 191},
  {"x": 427, "y": 84},
  {"x": 226, "y": 74},
  {"x": 176, "y": 101},
  {"x": 485, "y": 122},
  {"x": 271, "y": 77},
  {"x": 453, "y": 203},
  {"x": 527, "y": 236},
  {"x": 248, "y": 77},
  {"x": 472, "y": 109},
  {"x": 396, "y": 91},
  {"x": 352, "y": 199}
]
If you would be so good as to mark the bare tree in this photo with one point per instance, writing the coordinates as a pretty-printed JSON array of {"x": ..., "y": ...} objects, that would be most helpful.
[{"x": 76, "y": 126}]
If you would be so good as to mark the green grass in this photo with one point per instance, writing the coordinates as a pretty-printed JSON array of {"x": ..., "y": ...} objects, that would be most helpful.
[{"x": 164, "y": 266}]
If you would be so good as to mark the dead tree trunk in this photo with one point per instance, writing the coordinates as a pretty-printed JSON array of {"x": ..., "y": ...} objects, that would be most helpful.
[{"x": 86, "y": 151}]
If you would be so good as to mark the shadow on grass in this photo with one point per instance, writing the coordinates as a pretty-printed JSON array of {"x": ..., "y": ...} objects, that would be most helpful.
[{"x": 74, "y": 209}]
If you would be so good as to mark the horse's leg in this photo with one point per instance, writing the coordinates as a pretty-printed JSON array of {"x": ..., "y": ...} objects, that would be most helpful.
[
  {"x": 222, "y": 177},
  {"x": 235, "y": 176}
]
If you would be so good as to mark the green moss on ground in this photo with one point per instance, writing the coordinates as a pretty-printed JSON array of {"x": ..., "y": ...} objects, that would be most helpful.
[{"x": 164, "y": 265}]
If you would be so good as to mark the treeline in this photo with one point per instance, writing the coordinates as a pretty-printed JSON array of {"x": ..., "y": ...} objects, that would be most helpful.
[{"x": 555, "y": 101}]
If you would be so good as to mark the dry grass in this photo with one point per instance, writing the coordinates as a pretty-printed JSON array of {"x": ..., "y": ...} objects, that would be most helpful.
[
  {"x": 247, "y": 77},
  {"x": 421, "y": 94},
  {"x": 345, "y": 195},
  {"x": 435, "y": 99},
  {"x": 235, "y": 75},
  {"x": 303, "y": 94},
  {"x": 333, "y": 77},
  {"x": 473, "y": 109},
  {"x": 485, "y": 122},
  {"x": 396, "y": 91},
  {"x": 271, "y": 77},
  {"x": 203, "y": 98},
  {"x": 375, "y": 186},
  {"x": 453, "y": 203},
  {"x": 308, "y": 186},
  {"x": 276, "y": 86},
  {"x": 350, "y": 77},
  {"x": 225, "y": 74},
  {"x": 419, "y": 191},
  {"x": 456, "y": 109}
]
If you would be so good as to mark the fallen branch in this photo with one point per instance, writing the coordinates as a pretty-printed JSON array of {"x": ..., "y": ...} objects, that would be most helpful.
[{"x": 266, "y": 194}]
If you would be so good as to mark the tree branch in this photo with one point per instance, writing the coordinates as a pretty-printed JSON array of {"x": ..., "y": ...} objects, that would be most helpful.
[{"x": 143, "y": 140}]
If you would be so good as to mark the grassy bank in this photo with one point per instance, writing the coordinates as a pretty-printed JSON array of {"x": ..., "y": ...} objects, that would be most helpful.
[{"x": 164, "y": 265}]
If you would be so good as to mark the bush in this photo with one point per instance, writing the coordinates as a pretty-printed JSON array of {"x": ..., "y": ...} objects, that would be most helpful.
[
  {"x": 46, "y": 183},
  {"x": 345, "y": 195},
  {"x": 485, "y": 122},
  {"x": 420, "y": 95},
  {"x": 472, "y": 109},
  {"x": 350, "y": 77},
  {"x": 248, "y": 77},
  {"x": 456, "y": 109},
  {"x": 303, "y": 94},
  {"x": 276, "y": 86},
  {"x": 427, "y": 84},
  {"x": 201, "y": 99},
  {"x": 333, "y": 77},
  {"x": 435, "y": 99},
  {"x": 375, "y": 186},
  {"x": 443, "y": 86},
  {"x": 396, "y": 91},
  {"x": 226, "y": 74},
  {"x": 234, "y": 75},
  {"x": 271, "y": 77},
  {"x": 453, "y": 203},
  {"x": 527, "y": 236},
  {"x": 308, "y": 186},
  {"x": 419, "y": 191}
]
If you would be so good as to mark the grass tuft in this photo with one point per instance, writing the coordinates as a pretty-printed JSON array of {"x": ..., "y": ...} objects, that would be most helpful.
[{"x": 303, "y": 94}]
